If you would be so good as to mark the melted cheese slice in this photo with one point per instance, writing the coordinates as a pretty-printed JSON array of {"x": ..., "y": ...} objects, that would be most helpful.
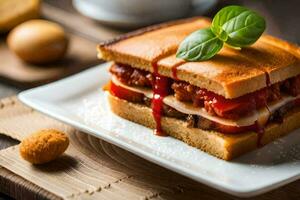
[{"x": 261, "y": 116}]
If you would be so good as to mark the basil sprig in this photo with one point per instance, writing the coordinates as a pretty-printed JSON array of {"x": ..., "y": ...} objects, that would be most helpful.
[
  {"x": 200, "y": 45},
  {"x": 234, "y": 25}
]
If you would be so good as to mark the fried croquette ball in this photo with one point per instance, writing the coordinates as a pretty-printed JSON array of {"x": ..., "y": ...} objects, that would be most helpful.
[{"x": 44, "y": 146}]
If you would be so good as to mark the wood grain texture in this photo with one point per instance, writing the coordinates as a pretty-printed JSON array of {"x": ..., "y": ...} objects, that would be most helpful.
[
  {"x": 94, "y": 169},
  {"x": 19, "y": 188}
]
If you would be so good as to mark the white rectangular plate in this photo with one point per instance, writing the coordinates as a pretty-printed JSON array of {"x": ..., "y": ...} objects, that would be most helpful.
[{"x": 79, "y": 101}]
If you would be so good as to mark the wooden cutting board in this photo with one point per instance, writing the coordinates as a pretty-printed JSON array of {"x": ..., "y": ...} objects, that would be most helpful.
[
  {"x": 81, "y": 55},
  {"x": 94, "y": 169}
]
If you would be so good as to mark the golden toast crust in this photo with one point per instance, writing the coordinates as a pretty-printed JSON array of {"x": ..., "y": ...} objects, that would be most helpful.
[{"x": 231, "y": 73}]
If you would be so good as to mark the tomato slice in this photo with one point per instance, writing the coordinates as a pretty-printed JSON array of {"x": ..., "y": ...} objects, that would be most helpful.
[
  {"x": 124, "y": 93},
  {"x": 234, "y": 108}
]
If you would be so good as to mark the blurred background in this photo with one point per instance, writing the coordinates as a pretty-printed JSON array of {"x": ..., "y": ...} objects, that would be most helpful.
[
  {"x": 282, "y": 17},
  {"x": 84, "y": 23},
  {"x": 34, "y": 52}
]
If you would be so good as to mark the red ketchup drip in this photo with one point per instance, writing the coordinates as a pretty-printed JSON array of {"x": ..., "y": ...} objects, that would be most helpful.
[
  {"x": 161, "y": 87},
  {"x": 174, "y": 72},
  {"x": 268, "y": 81},
  {"x": 258, "y": 128},
  {"x": 260, "y": 133}
]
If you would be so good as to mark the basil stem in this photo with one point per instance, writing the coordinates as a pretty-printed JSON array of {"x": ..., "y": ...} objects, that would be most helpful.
[{"x": 200, "y": 45}]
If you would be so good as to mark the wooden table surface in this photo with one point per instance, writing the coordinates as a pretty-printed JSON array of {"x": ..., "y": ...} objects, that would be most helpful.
[{"x": 282, "y": 19}]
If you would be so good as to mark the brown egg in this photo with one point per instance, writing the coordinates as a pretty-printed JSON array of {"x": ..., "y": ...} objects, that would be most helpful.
[
  {"x": 38, "y": 41},
  {"x": 44, "y": 146}
]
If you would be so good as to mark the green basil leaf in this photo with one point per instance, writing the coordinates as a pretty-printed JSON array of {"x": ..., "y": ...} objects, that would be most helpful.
[
  {"x": 200, "y": 45},
  {"x": 242, "y": 26}
]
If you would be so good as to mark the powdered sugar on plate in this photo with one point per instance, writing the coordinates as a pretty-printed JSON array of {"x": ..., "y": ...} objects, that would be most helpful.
[{"x": 79, "y": 101}]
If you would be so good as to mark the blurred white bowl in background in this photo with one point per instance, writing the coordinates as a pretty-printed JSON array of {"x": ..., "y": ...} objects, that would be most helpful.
[{"x": 131, "y": 13}]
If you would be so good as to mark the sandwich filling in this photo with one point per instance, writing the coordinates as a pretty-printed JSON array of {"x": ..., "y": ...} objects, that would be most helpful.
[{"x": 201, "y": 108}]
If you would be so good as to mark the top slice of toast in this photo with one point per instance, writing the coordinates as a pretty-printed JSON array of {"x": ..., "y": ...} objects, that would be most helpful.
[{"x": 231, "y": 73}]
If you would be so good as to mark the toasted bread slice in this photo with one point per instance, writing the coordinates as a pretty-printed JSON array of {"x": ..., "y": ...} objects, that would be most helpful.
[
  {"x": 231, "y": 73},
  {"x": 224, "y": 146}
]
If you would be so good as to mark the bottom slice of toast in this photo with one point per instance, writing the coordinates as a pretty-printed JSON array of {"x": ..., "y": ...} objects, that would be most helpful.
[{"x": 224, "y": 146}]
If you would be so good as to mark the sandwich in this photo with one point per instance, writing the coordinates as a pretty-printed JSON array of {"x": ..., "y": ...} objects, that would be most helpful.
[{"x": 231, "y": 104}]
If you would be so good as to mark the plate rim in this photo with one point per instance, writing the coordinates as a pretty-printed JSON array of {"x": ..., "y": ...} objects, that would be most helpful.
[{"x": 26, "y": 98}]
